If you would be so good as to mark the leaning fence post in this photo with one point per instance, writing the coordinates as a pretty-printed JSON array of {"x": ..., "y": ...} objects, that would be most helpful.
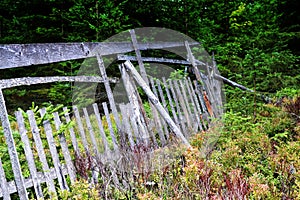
[
  {"x": 156, "y": 102},
  {"x": 19, "y": 179}
]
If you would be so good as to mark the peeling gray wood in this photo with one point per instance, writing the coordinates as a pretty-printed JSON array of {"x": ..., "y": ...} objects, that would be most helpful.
[
  {"x": 51, "y": 143},
  {"x": 160, "y": 91},
  {"x": 11, "y": 185},
  {"x": 4, "y": 189},
  {"x": 127, "y": 128},
  {"x": 156, "y": 102},
  {"x": 81, "y": 130},
  {"x": 110, "y": 127},
  {"x": 92, "y": 134},
  {"x": 71, "y": 131},
  {"x": 178, "y": 108},
  {"x": 156, "y": 117},
  {"x": 109, "y": 94},
  {"x": 29, "y": 155},
  {"x": 101, "y": 129},
  {"x": 133, "y": 97},
  {"x": 122, "y": 57},
  {"x": 18, "y": 55},
  {"x": 64, "y": 147},
  {"x": 197, "y": 111},
  {"x": 12, "y": 149},
  {"x": 170, "y": 101},
  {"x": 9, "y": 83}
]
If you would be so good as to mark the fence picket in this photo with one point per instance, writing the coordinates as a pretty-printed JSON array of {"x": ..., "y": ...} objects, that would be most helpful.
[
  {"x": 40, "y": 149},
  {"x": 171, "y": 103},
  {"x": 197, "y": 113},
  {"x": 161, "y": 95},
  {"x": 65, "y": 150},
  {"x": 81, "y": 130},
  {"x": 101, "y": 130},
  {"x": 127, "y": 128},
  {"x": 178, "y": 109},
  {"x": 4, "y": 192},
  {"x": 156, "y": 117},
  {"x": 52, "y": 146},
  {"x": 110, "y": 127},
  {"x": 29, "y": 155},
  {"x": 71, "y": 130}
]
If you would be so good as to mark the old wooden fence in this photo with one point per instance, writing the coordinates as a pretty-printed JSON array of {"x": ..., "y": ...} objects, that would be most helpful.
[{"x": 52, "y": 149}]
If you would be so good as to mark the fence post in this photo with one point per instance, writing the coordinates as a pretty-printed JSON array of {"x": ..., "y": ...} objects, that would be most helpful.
[{"x": 12, "y": 149}]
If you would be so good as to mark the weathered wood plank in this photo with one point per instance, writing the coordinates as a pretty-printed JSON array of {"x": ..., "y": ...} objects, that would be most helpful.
[
  {"x": 127, "y": 128},
  {"x": 110, "y": 95},
  {"x": 178, "y": 109},
  {"x": 197, "y": 112},
  {"x": 81, "y": 130},
  {"x": 4, "y": 189},
  {"x": 110, "y": 126},
  {"x": 12, "y": 149},
  {"x": 28, "y": 182},
  {"x": 72, "y": 132},
  {"x": 161, "y": 94},
  {"x": 197, "y": 102},
  {"x": 64, "y": 147},
  {"x": 13, "y": 82},
  {"x": 122, "y": 57},
  {"x": 183, "y": 106},
  {"x": 101, "y": 129},
  {"x": 18, "y": 55},
  {"x": 156, "y": 102},
  {"x": 133, "y": 97},
  {"x": 51, "y": 143},
  {"x": 156, "y": 117},
  {"x": 92, "y": 134},
  {"x": 29, "y": 155},
  {"x": 170, "y": 101}
]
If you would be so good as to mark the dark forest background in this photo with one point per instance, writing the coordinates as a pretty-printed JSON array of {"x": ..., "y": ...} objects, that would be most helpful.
[{"x": 255, "y": 42}]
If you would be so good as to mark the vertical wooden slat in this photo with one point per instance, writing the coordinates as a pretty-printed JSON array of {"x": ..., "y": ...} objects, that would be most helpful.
[
  {"x": 19, "y": 179},
  {"x": 183, "y": 105},
  {"x": 160, "y": 91},
  {"x": 65, "y": 150},
  {"x": 196, "y": 114},
  {"x": 40, "y": 150},
  {"x": 178, "y": 109},
  {"x": 29, "y": 155},
  {"x": 109, "y": 94},
  {"x": 126, "y": 124},
  {"x": 134, "y": 126},
  {"x": 195, "y": 104},
  {"x": 3, "y": 184},
  {"x": 51, "y": 143},
  {"x": 157, "y": 120},
  {"x": 138, "y": 114},
  {"x": 171, "y": 102},
  {"x": 156, "y": 103},
  {"x": 81, "y": 130},
  {"x": 92, "y": 134},
  {"x": 110, "y": 127},
  {"x": 198, "y": 76},
  {"x": 138, "y": 56},
  {"x": 71, "y": 130},
  {"x": 186, "y": 100},
  {"x": 101, "y": 130},
  {"x": 199, "y": 92}
]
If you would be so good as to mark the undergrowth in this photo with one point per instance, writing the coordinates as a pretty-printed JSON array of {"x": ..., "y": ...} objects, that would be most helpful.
[{"x": 256, "y": 157}]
